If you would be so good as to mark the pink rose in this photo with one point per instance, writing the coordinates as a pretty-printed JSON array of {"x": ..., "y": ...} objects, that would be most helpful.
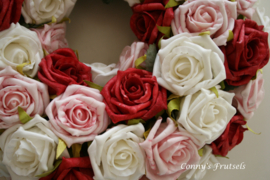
[
  {"x": 169, "y": 151},
  {"x": 244, "y": 7},
  {"x": 130, "y": 54},
  {"x": 78, "y": 115},
  {"x": 196, "y": 16},
  {"x": 20, "y": 91},
  {"x": 52, "y": 37},
  {"x": 248, "y": 97}
]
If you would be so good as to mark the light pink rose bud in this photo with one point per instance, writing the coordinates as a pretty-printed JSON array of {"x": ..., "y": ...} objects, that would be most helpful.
[
  {"x": 244, "y": 7},
  {"x": 248, "y": 97},
  {"x": 197, "y": 16},
  {"x": 52, "y": 37},
  {"x": 130, "y": 54},
  {"x": 78, "y": 115},
  {"x": 169, "y": 151},
  {"x": 20, "y": 91}
]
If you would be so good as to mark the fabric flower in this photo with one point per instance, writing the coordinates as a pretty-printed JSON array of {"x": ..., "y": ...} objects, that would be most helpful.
[
  {"x": 4, "y": 175},
  {"x": 72, "y": 169},
  {"x": 78, "y": 115},
  {"x": 10, "y": 12},
  {"x": 20, "y": 46},
  {"x": 169, "y": 151},
  {"x": 101, "y": 73},
  {"x": 185, "y": 64},
  {"x": 29, "y": 149},
  {"x": 246, "y": 53},
  {"x": 19, "y": 91},
  {"x": 42, "y": 11},
  {"x": 116, "y": 154},
  {"x": 132, "y": 94},
  {"x": 248, "y": 97},
  {"x": 197, "y": 16},
  {"x": 62, "y": 68},
  {"x": 208, "y": 160},
  {"x": 205, "y": 115},
  {"x": 147, "y": 16},
  {"x": 52, "y": 37},
  {"x": 244, "y": 7},
  {"x": 130, "y": 54},
  {"x": 232, "y": 136},
  {"x": 132, "y": 2}
]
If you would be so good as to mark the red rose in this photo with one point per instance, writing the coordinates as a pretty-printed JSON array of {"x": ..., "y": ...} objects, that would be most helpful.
[
  {"x": 232, "y": 136},
  {"x": 133, "y": 94},
  {"x": 246, "y": 53},
  {"x": 147, "y": 16},
  {"x": 62, "y": 68},
  {"x": 10, "y": 12},
  {"x": 71, "y": 169}
]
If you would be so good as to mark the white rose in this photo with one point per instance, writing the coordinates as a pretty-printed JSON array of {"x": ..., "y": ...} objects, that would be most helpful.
[
  {"x": 20, "y": 45},
  {"x": 208, "y": 160},
  {"x": 116, "y": 154},
  {"x": 42, "y": 11},
  {"x": 205, "y": 115},
  {"x": 185, "y": 64},
  {"x": 133, "y": 2},
  {"x": 29, "y": 149},
  {"x": 102, "y": 73},
  {"x": 3, "y": 170}
]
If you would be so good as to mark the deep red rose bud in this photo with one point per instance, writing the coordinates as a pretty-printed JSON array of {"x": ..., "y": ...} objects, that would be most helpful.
[
  {"x": 10, "y": 12},
  {"x": 72, "y": 169},
  {"x": 147, "y": 16},
  {"x": 232, "y": 136},
  {"x": 133, "y": 94},
  {"x": 246, "y": 53},
  {"x": 62, "y": 68}
]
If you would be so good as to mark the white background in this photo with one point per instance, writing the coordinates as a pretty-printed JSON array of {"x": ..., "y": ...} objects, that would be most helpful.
[{"x": 100, "y": 31}]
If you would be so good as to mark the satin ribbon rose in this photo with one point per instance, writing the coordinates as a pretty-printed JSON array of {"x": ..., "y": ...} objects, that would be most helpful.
[
  {"x": 246, "y": 53},
  {"x": 52, "y": 37},
  {"x": 29, "y": 149},
  {"x": 205, "y": 115},
  {"x": 132, "y": 94},
  {"x": 42, "y": 11},
  {"x": 78, "y": 115},
  {"x": 4, "y": 174},
  {"x": 197, "y": 16},
  {"x": 248, "y": 97},
  {"x": 169, "y": 151},
  {"x": 116, "y": 154},
  {"x": 10, "y": 12},
  {"x": 21, "y": 49},
  {"x": 19, "y": 91},
  {"x": 185, "y": 64},
  {"x": 245, "y": 7}
]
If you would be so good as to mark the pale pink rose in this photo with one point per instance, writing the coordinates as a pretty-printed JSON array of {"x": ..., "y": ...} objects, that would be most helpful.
[
  {"x": 78, "y": 115},
  {"x": 197, "y": 16},
  {"x": 244, "y": 7},
  {"x": 52, "y": 37},
  {"x": 248, "y": 97},
  {"x": 20, "y": 91},
  {"x": 130, "y": 54},
  {"x": 169, "y": 151}
]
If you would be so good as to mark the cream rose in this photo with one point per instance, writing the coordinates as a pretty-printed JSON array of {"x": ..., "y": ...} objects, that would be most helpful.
[
  {"x": 20, "y": 91},
  {"x": 248, "y": 97},
  {"x": 42, "y": 11},
  {"x": 29, "y": 149},
  {"x": 197, "y": 16},
  {"x": 78, "y": 115},
  {"x": 205, "y": 115},
  {"x": 52, "y": 37},
  {"x": 20, "y": 46},
  {"x": 116, "y": 154},
  {"x": 185, "y": 64},
  {"x": 4, "y": 175}
]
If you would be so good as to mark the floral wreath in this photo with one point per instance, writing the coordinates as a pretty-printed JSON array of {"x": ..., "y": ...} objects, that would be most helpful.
[{"x": 179, "y": 96}]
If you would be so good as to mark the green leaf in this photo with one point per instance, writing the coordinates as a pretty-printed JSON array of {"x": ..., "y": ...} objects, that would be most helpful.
[
  {"x": 56, "y": 165},
  {"x": 222, "y": 85},
  {"x": 255, "y": 77},
  {"x": 159, "y": 114},
  {"x": 146, "y": 133},
  {"x": 173, "y": 105},
  {"x": 23, "y": 116},
  {"x": 166, "y": 30},
  {"x": 93, "y": 85},
  {"x": 76, "y": 149},
  {"x": 159, "y": 42},
  {"x": 139, "y": 61},
  {"x": 150, "y": 57},
  {"x": 60, "y": 148},
  {"x": 204, "y": 33},
  {"x": 230, "y": 37},
  {"x": 229, "y": 87},
  {"x": 214, "y": 90},
  {"x": 200, "y": 151},
  {"x": 241, "y": 17},
  {"x": 252, "y": 130},
  {"x": 173, "y": 3},
  {"x": 135, "y": 121}
]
